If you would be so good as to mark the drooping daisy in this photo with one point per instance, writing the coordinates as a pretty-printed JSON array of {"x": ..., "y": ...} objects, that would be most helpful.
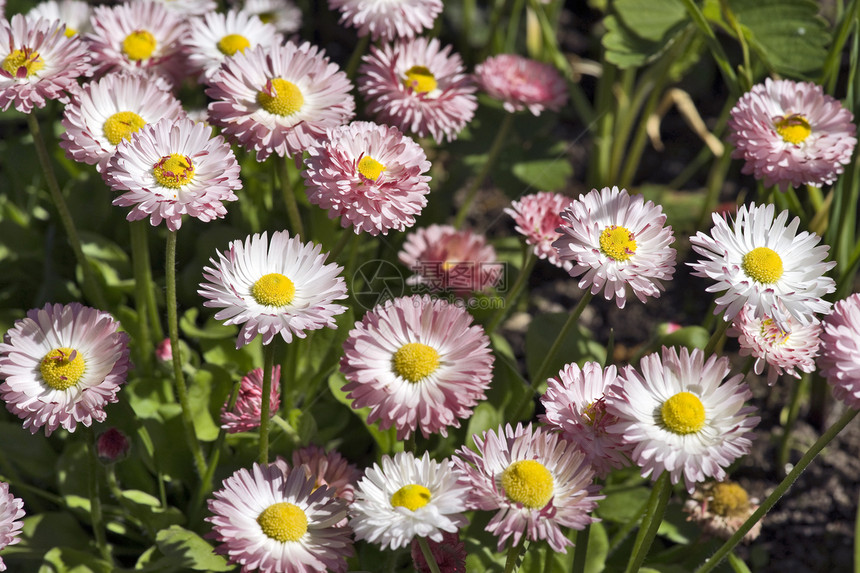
[
  {"x": 329, "y": 469},
  {"x": 140, "y": 37},
  {"x": 680, "y": 417},
  {"x": 521, "y": 83},
  {"x": 405, "y": 498},
  {"x": 839, "y": 360},
  {"x": 449, "y": 554},
  {"x": 38, "y": 62},
  {"x": 792, "y": 133},
  {"x": 538, "y": 216},
  {"x": 11, "y": 512},
  {"x": 279, "y": 99},
  {"x": 783, "y": 351},
  {"x": 62, "y": 365},
  {"x": 615, "y": 241},
  {"x": 283, "y": 286},
  {"x": 216, "y": 36},
  {"x": 245, "y": 414},
  {"x": 721, "y": 508},
  {"x": 766, "y": 264},
  {"x": 575, "y": 405},
  {"x": 284, "y": 15},
  {"x": 273, "y": 521},
  {"x": 417, "y": 363},
  {"x": 372, "y": 176},
  {"x": 187, "y": 8},
  {"x": 173, "y": 168},
  {"x": 75, "y": 14},
  {"x": 105, "y": 112},
  {"x": 536, "y": 482},
  {"x": 389, "y": 20},
  {"x": 418, "y": 86},
  {"x": 444, "y": 258}
]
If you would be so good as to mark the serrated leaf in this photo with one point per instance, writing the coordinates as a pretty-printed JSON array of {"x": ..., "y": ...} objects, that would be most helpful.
[{"x": 185, "y": 548}]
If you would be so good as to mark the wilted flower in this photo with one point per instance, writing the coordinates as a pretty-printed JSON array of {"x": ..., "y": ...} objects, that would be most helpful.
[{"x": 721, "y": 508}]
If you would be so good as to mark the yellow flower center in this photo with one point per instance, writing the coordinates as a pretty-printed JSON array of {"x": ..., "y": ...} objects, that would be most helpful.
[
  {"x": 617, "y": 243},
  {"x": 370, "y": 167},
  {"x": 772, "y": 333},
  {"x": 415, "y": 361},
  {"x": 793, "y": 128},
  {"x": 266, "y": 17},
  {"x": 281, "y": 97},
  {"x": 763, "y": 265},
  {"x": 593, "y": 413},
  {"x": 273, "y": 289},
  {"x": 528, "y": 482},
  {"x": 420, "y": 80},
  {"x": 729, "y": 499},
  {"x": 283, "y": 522},
  {"x": 139, "y": 45},
  {"x": 61, "y": 368},
  {"x": 121, "y": 125},
  {"x": 232, "y": 43},
  {"x": 70, "y": 32},
  {"x": 411, "y": 497},
  {"x": 25, "y": 58},
  {"x": 173, "y": 171},
  {"x": 683, "y": 413}
]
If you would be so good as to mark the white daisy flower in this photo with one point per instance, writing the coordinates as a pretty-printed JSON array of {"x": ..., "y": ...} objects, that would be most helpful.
[
  {"x": 187, "y": 7},
  {"x": 408, "y": 497},
  {"x": 75, "y": 14},
  {"x": 284, "y": 15}
]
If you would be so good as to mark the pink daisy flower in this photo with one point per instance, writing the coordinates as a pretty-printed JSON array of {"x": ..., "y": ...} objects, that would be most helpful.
[
  {"x": 187, "y": 7},
  {"x": 840, "y": 349},
  {"x": 521, "y": 83},
  {"x": 275, "y": 521},
  {"x": 11, "y": 512},
  {"x": 449, "y": 554},
  {"x": 417, "y": 363},
  {"x": 279, "y": 99},
  {"x": 575, "y": 404},
  {"x": 173, "y": 168},
  {"x": 75, "y": 14},
  {"x": 245, "y": 414},
  {"x": 284, "y": 15},
  {"x": 538, "y": 216},
  {"x": 616, "y": 241},
  {"x": 418, "y": 86},
  {"x": 444, "y": 258},
  {"x": 141, "y": 37},
  {"x": 372, "y": 176},
  {"x": 534, "y": 480},
  {"x": 38, "y": 62},
  {"x": 329, "y": 469},
  {"x": 792, "y": 133},
  {"x": 62, "y": 365},
  {"x": 103, "y": 113},
  {"x": 388, "y": 20},
  {"x": 784, "y": 351},
  {"x": 283, "y": 286}
]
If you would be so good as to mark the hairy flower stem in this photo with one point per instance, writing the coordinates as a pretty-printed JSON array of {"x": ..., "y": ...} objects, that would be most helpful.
[
  {"x": 717, "y": 336},
  {"x": 660, "y": 495},
  {"x": 265, "y": 402},
  {"x": 581, "y": 551},
  {"x": 142, "y": 284},
  {"x": 514, "y": 553},
  {"x": 96, "y": 516},
  {"x": 428, "y": 555}
]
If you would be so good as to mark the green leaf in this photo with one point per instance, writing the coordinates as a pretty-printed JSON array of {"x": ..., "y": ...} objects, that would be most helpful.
[
  {"x": 65, "y": 560},
  {"x": 576, "y": 347},
  {"x": 385, "y": 439},
  {"x": 148, "y": 510},
  {"x": 639, "y": 31},
  {"x": 186, "y": 549},
  {"x": 689, "y": 337},
  {"x": 31, "y": 453},
  {"x": 623, "y": 505},
  {"x": 545, "y": 174}
]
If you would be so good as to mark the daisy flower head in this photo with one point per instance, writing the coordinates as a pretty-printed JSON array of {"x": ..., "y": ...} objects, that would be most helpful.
[
  {"x": 61, "y": 365},
  {"x": 279, "y": 99},
  {"x": 112, "y": 445},
  {"x": 449, "y": 554},
  {"x": 276, "y": 521},
  {"x": 575, "y": 404},
  {"x": 244, "y": 416},
  {"x": 38, "y": 62},
  {"x": 173, "y": 168},
  {"x": 537, "y": 217},
  {"x": 105, "y": 112},
  {"x": 186, "y": 8},
  {"x": 784, "y": 351},
  {"x": 284, "y": 15},
  {"x": 521, "y": 83},
  {"x": 444, "y": 258},
  {"x": 139, "y": 37},
  {"x": 329, "y": 469},
  {"x": 75, "y": 14},
  {"x": 792, "y": 133},
  {"x": 371, "y": 176},
  {"x": 417, "y": 363},
  {"x": 680, "y": 416},
  {"x": 536, "y": 482},
  {"x": 11, "y": 512},
  {"x": 840, "y": 349},
  {"x": 766, "y": 264},
  {"x": 615, "y": 241},
  {"x": 283, "y": 286},
  {"x": 388, "y": 20},
  {"x": 408, "y": 497},
  {"x": 721, "y": 508},
  {"x": 216, "y": 37},
  {"x": 419, "y": 87}
]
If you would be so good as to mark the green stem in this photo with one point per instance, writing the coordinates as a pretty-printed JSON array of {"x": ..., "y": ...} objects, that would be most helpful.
[
  {"x": 717, "y": 336},
  {"x": 746, "y": 69},
  {"x": 146, "y": 277},
  {"x": 428, "y": 555},
  {"x": 178, "y": 376},
  {"x": 268, "y": 366},
  {"x": 355, "y": 58},
  {"x": 95, "y": 500},
  {"x": 651, "y": 522},
  {"x": 737, "y": 564},
  {"x": 581, "y": 551},
  {"x": 91, "y": 287},
  {"x": 857, "y": 540},
  {"x": 288, "y": 429},
  {"x": 797, "y": 392},
  {"x": 514, "y": 552},
  {"x": 141, "y": 286},
  {"x": 713, "y": 44},
  {"x": 290, "y": 196},
  {"x": 541, "y": 373},
  {"x": 834, "y": 57},
  {"x": 529, "y": 260},
  {"x": 342, "y": 242},
  {"x": 777, "y": 493},
  {"x": 498, "y": 144},
  {"x": 513, "y": 26}
]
